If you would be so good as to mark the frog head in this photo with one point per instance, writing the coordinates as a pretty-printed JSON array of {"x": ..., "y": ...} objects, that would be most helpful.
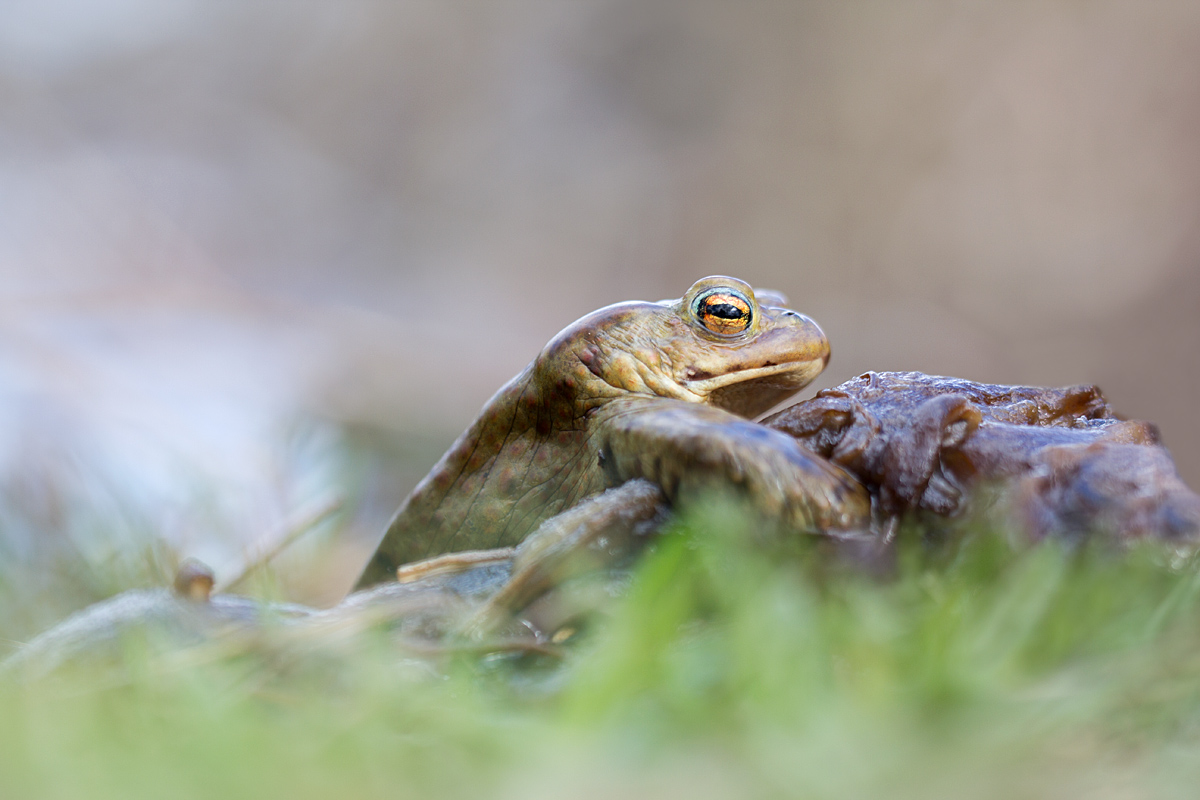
[{"x": 721, "y": 344}]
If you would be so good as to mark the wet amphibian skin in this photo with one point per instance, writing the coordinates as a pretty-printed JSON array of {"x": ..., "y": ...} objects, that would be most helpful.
[
  {"x": 1062, "y": 461},
  {"x": 663, "y": 391}
]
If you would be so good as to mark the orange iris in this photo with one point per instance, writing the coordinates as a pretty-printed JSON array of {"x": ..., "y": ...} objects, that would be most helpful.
[{"x": 725, "y": 313}]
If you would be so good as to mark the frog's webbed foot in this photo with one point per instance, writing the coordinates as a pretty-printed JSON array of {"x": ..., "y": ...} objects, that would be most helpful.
[
  {"x": 185, "y": 620},
  {"x": 690, "y": 450}
]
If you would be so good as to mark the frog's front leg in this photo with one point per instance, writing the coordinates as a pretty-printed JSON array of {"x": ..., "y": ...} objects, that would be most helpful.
[{"x": 689, "y": 450}]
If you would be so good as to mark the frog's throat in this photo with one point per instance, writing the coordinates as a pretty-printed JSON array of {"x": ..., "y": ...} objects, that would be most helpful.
[{"x": 800, "y": 373}]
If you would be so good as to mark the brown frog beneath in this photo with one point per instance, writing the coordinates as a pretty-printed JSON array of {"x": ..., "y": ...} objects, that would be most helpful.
[{"x": 1066, "y": 465}]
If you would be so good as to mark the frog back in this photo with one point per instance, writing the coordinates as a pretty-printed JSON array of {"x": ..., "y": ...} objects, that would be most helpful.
[{"x": 517, "y": 465}]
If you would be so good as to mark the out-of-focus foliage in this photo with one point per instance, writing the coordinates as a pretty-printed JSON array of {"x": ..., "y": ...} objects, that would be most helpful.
[
  {"x": 971, "y": 668},
  {"x": 219, "y": 219}
]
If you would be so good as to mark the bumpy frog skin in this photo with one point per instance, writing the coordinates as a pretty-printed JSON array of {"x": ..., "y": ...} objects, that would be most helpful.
[{"x": 662, "y": 391}]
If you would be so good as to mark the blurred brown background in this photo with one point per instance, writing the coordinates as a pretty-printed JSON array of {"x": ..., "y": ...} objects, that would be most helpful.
[{"x": 223, "y": 221}]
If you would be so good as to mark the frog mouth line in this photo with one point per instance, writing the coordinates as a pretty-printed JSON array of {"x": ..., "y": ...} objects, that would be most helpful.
[{"x": 799, "y": 372}]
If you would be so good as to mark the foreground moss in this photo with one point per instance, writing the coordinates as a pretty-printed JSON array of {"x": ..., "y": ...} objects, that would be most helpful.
[{"x": 970, "y": 668}]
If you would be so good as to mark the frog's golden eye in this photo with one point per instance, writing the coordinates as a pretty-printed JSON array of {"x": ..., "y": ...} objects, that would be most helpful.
[{"x": 723, "y": 311}]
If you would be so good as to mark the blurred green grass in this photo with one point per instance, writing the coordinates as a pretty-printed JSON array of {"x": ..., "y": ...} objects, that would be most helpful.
[{"x": 971, "y": 667}]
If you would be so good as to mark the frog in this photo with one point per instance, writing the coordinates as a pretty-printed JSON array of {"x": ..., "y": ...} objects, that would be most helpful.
[{"x": 665, "y": 392}]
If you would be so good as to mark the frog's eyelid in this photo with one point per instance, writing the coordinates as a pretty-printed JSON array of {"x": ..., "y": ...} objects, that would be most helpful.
[
  {"x": 710, "y": 291},
  {"x": 729, "y": 290}
]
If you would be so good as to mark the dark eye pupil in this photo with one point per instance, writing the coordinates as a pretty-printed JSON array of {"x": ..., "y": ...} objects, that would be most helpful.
[{"x": 724, "y": 310}]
